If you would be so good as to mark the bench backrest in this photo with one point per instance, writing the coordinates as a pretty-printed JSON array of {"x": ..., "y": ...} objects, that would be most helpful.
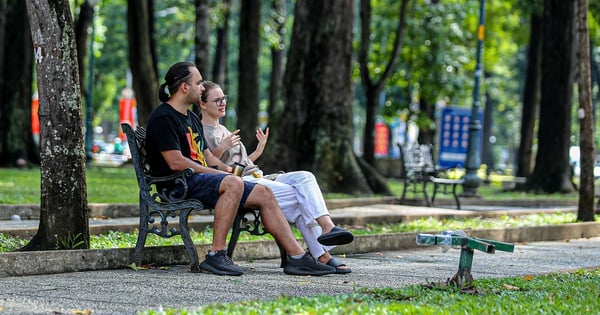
[
  {"x": 417, "y": 160},
  {"x": 149, "y": 192}
]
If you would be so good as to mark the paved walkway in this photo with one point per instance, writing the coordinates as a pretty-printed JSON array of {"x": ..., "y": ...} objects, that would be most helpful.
[{"x": 125, "y": 291}]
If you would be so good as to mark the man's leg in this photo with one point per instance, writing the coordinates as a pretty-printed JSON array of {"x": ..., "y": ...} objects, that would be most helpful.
[
  {"x": 226, "y": 208},
  {"x": 223, "y": 193}
]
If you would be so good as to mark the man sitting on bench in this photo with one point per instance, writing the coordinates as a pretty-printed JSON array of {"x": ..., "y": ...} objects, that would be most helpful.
[{"x": 175, "y": 142}]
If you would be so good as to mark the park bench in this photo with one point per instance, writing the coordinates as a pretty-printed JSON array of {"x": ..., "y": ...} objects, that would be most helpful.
[
  {"x": 156, "y": 203},
  {"x": 419, "y": 169}
]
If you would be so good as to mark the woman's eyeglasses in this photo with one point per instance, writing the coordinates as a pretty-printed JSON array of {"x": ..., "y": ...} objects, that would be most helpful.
[{"x": 219, "y": 101}]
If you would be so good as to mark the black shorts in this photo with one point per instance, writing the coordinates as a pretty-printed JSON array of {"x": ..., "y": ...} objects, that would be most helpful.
[{"x": 205, "y": 187}]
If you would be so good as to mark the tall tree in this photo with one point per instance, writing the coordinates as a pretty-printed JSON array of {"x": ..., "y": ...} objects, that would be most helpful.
[
  {"x": 586, "y": 118},
  {"x": 247, "y": 102},
  {"x": 201, "y": 45},
  {"x": 278, "y": 18},
  {"x": 372, "y": 86},
  {"x": 82, "y": 25},
  {"x": 531, "y": 93},
  {"x": 16, "y": 141},
  {"x": 552, "y": 171},
  {"x": 142, "y": 56},
  {"x": 219, "y": 68},
  {"x": 63, "y": 211},
  {"x": 314, "y": 131}
]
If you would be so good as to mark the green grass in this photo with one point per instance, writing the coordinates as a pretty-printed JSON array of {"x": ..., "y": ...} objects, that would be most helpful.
[
  {"x": 557, "y": 293},
  {"x": 127, "y": 240},
  {"x": 118, "y": 185},
  {"x": 104, "y": 185}
]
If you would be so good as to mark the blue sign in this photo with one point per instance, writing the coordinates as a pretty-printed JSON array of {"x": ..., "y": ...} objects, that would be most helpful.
[{"x": 454, "y": 136}]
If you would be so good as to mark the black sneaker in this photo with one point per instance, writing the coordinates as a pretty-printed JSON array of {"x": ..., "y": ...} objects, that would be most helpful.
[
  {"x": 307, "y": 266},
  {"x": 221, "y": 264}
]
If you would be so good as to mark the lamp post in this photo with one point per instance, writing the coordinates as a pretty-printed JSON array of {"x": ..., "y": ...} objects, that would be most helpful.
[
  {"x": 471, "y": 180},
  {"x": 89, "y": 129}
]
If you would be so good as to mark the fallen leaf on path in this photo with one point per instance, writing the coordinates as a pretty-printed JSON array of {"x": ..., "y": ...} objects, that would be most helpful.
[{"x": 510, "y": 287}]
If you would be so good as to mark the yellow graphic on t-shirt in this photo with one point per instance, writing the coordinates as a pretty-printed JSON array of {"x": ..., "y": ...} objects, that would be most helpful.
[{"x": 196, "y": 152}]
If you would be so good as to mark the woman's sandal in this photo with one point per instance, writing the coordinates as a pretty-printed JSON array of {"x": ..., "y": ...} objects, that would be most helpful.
[
  {"x": 337, "y": 236},
  {"x": 337, "y": 264}
]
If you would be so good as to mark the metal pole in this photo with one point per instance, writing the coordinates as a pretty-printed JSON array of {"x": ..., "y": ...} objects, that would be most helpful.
[
  {"x": 471, "y": 180},
  {"x": 89, "y": 131}
]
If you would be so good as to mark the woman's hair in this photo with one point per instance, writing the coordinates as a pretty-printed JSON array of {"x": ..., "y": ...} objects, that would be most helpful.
[
  {"x": 177, "y": 74},
  {"x": 208, "y": 85}
]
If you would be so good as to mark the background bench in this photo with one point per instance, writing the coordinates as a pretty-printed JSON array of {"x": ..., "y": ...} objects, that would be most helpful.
[
  {"x": 156, "y": 204},
  {"x": 419, "y": 169}
]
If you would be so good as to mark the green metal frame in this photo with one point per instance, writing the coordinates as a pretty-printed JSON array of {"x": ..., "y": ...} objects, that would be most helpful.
[{"x": 468, "y": 245}]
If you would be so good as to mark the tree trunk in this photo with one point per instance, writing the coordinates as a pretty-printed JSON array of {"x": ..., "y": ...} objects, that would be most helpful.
[
  {"x": 82, "y": 24},
  {"x": 63, "y": 211},
  {"x": 531, "y": 96},
  {"x": 315, "y": 130},
  {"x": 219, "y": 68},
  {"x": 247, "y": 102},
  {"x": 277, "y": 55},
  {"x": 142, "y": 57},
  {"x": 585, "y": 116},
  {"x": 202, "y": 45},
  {"x": 552, "y": 171},
  {"x": 373, "y": 87},
  {"x": 426, "y": 132},
  {"x": 16, "y": 140}
]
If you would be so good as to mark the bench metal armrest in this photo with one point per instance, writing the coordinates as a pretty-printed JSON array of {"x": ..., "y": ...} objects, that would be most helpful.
[{"x": 178, "y": 179}]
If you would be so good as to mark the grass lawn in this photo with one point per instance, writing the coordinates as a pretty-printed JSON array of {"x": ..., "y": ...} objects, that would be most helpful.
[
  {"x": 559, "y": 293},
  {"x": 118, "y": 185}
]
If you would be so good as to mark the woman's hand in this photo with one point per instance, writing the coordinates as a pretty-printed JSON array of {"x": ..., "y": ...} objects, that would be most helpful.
[
  {"x": 227, "y": 143},
  {"x": 262, "y": 138},
  {"x": 230, "y": 141}
]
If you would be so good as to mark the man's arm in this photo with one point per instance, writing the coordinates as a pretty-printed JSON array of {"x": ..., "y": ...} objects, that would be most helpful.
[
  {"x": 177, "y": 162},
  {"x": 211, "y": 159}
]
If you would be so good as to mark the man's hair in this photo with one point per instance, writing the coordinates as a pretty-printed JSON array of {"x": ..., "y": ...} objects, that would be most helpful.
[{"x": 177, "y": 74}]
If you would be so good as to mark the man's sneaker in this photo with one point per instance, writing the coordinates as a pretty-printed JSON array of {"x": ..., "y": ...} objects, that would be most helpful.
[
  {"x": 221, "y": 264},
  {"x": 307, "y": 266}
]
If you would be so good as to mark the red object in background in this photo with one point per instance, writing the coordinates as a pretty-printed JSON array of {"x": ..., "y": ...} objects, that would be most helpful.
[
  {"x": 127, "y": 110},
  {"x": 382, "y": 139},
  {"x": 35, "y": 118}
]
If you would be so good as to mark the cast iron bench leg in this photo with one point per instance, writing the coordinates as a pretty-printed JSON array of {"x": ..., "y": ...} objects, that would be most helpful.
[{"x": 187, "y": 239}]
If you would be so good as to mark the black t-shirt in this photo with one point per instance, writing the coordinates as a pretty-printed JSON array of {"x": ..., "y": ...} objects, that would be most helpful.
[{"x": 169, "y": 129}]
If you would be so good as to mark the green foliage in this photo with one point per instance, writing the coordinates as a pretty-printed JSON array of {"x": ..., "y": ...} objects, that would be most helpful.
[
  {"x": 70, "y": 241},
  {"x": 9, "y": 243},
  {"x": 557, "y": 293}
]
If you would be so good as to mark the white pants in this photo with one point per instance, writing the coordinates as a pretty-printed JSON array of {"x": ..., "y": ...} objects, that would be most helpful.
[{"x": 301, "y": 200}]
